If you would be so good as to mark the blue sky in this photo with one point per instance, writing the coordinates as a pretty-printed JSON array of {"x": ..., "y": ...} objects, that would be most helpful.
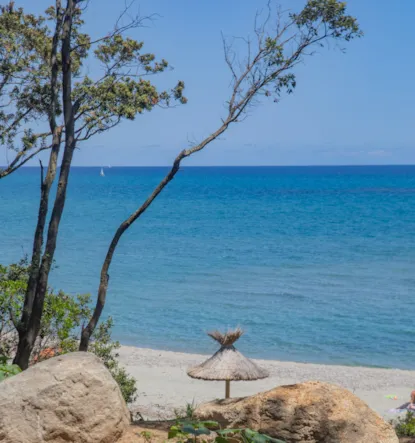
[{"x": 353, "y": 108}]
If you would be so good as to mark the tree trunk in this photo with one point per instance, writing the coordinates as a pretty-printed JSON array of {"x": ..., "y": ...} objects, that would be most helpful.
[
  {"x": 24, "y": 348},
  {"x": 36, "y": 297},
  {"x": 27, "y": 335},
  {"x": 40, "y": 227},
  {"x": 103, "y": 284}
]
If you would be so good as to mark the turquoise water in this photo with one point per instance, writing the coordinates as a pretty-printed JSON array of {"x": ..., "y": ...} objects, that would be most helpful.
[{"x": 317, "y": 264}]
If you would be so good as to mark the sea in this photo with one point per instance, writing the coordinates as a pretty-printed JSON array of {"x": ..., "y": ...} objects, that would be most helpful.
[{"x": 316, "y": 264}]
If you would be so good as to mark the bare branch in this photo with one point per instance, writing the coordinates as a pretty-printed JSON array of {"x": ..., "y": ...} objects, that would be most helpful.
[
  {"x": 135, "y": 22},
  {"x": 229, "y": 58},
  {"x": 95, "y": 129}
]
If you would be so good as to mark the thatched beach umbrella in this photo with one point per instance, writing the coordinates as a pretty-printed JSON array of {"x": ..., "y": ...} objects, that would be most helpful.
[{"x": 227, "y": 363}]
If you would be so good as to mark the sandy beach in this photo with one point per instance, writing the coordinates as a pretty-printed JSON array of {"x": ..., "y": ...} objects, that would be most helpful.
[{"x": 164, "y": 387}]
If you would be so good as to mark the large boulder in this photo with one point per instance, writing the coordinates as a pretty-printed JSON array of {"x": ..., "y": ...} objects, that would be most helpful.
[
  {"x": 70, "y": 398},
  {"x": 311, "y": 412}
]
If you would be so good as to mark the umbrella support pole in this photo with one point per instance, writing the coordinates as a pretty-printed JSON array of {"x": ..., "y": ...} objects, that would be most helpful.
[{"x": 227, "y": 389}]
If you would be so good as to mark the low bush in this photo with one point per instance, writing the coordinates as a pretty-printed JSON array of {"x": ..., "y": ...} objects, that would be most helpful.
[
  {"x": 7, "y": 370},
  {"x": 405, "y": 426},
  {"x": 188, "y": 431},
  {"x": 60, "y": 330}
]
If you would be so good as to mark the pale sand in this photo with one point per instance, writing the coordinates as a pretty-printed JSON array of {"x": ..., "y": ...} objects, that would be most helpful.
[{"x": 163, "y": 385}]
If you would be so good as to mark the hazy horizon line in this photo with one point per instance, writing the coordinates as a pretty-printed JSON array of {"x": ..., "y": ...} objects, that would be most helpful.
[{"x": 231, "y": 166}]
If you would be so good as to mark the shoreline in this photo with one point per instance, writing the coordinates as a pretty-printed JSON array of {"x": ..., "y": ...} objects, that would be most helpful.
[
  {"x": 163, "y": 385},
  {"x": 266, "y": 359}
]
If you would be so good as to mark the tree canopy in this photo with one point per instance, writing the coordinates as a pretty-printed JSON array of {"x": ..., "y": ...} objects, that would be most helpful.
[{"x": 119, "y": 91}]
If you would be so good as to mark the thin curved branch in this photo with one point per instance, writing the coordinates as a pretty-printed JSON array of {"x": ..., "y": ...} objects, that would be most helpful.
[
  {"x": 14, "y": 165},
  {"x": 135, "y": 22}
]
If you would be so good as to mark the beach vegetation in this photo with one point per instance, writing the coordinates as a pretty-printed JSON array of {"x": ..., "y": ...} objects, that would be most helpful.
[
  {"x": 147, "y": 436},
  {"x": 405, "y": 426},
  {"x": 187, "y": 412},
  {"x": 199, "y": 431},
  {"x": 60, "y": 329},
  {"x": 7, "y": 370}
]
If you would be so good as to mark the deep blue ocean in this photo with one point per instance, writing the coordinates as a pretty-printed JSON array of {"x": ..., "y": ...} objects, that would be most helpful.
[{"x": 317, "y": 264}]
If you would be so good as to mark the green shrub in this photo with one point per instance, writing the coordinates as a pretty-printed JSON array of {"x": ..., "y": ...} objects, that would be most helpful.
[
  {"x": 405, "y": 426},
  {"x": 188, "y": 431},
  {"x": 186, "y": 413},
  {"x": 8, "y": 370},
  {"x": 60, "y": 329},
  {"x": 103, "y": 346}
]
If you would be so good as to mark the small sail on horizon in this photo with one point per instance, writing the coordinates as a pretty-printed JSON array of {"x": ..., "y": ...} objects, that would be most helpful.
[{"x": 102, "y": 172}]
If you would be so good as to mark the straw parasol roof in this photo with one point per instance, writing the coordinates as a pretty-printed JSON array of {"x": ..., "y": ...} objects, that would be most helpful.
[{"x": 227, "y": 363}]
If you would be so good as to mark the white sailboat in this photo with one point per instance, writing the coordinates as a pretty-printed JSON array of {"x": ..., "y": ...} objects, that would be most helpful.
[{"x": 102, "y": 172}]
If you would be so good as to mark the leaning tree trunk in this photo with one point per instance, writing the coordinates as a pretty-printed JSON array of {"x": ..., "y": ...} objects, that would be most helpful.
[
  {"x": 103, "y": 284},
  {"x": 30, "y": 329},
  {"x": 267, "y": 68}
]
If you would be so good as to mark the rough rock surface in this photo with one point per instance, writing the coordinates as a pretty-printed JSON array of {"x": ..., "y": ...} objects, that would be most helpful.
[
  {"x": 70, "y": 398},
  {"x": 311, "y": 412}
]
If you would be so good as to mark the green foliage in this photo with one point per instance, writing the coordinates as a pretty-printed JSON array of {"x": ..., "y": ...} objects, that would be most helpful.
[
  {"x": 12, "y": 289},
  {"x": 103, "y": 346},
  {"x": 245, "y": 435},
  {"x": 183, "y": 430},
  {"x": 405, "y": 426},
  {"x": 330, "y": 13},
  {"x": 60, "y": 329},
  {"x": 62, "y": 317},
  {"x": 147, "y": 436},
  {"x": 279, "y": 52},
  {"x": 187, "y": 412},
  {"x": 188, "y": 431},
  {"x": 190, "y": 409},
  {"x": 8, "y": 371},
  {"x": 117, "y": 92},
  {"x": 25, "y": 46},
  {"x": 122, "y": 93}
]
